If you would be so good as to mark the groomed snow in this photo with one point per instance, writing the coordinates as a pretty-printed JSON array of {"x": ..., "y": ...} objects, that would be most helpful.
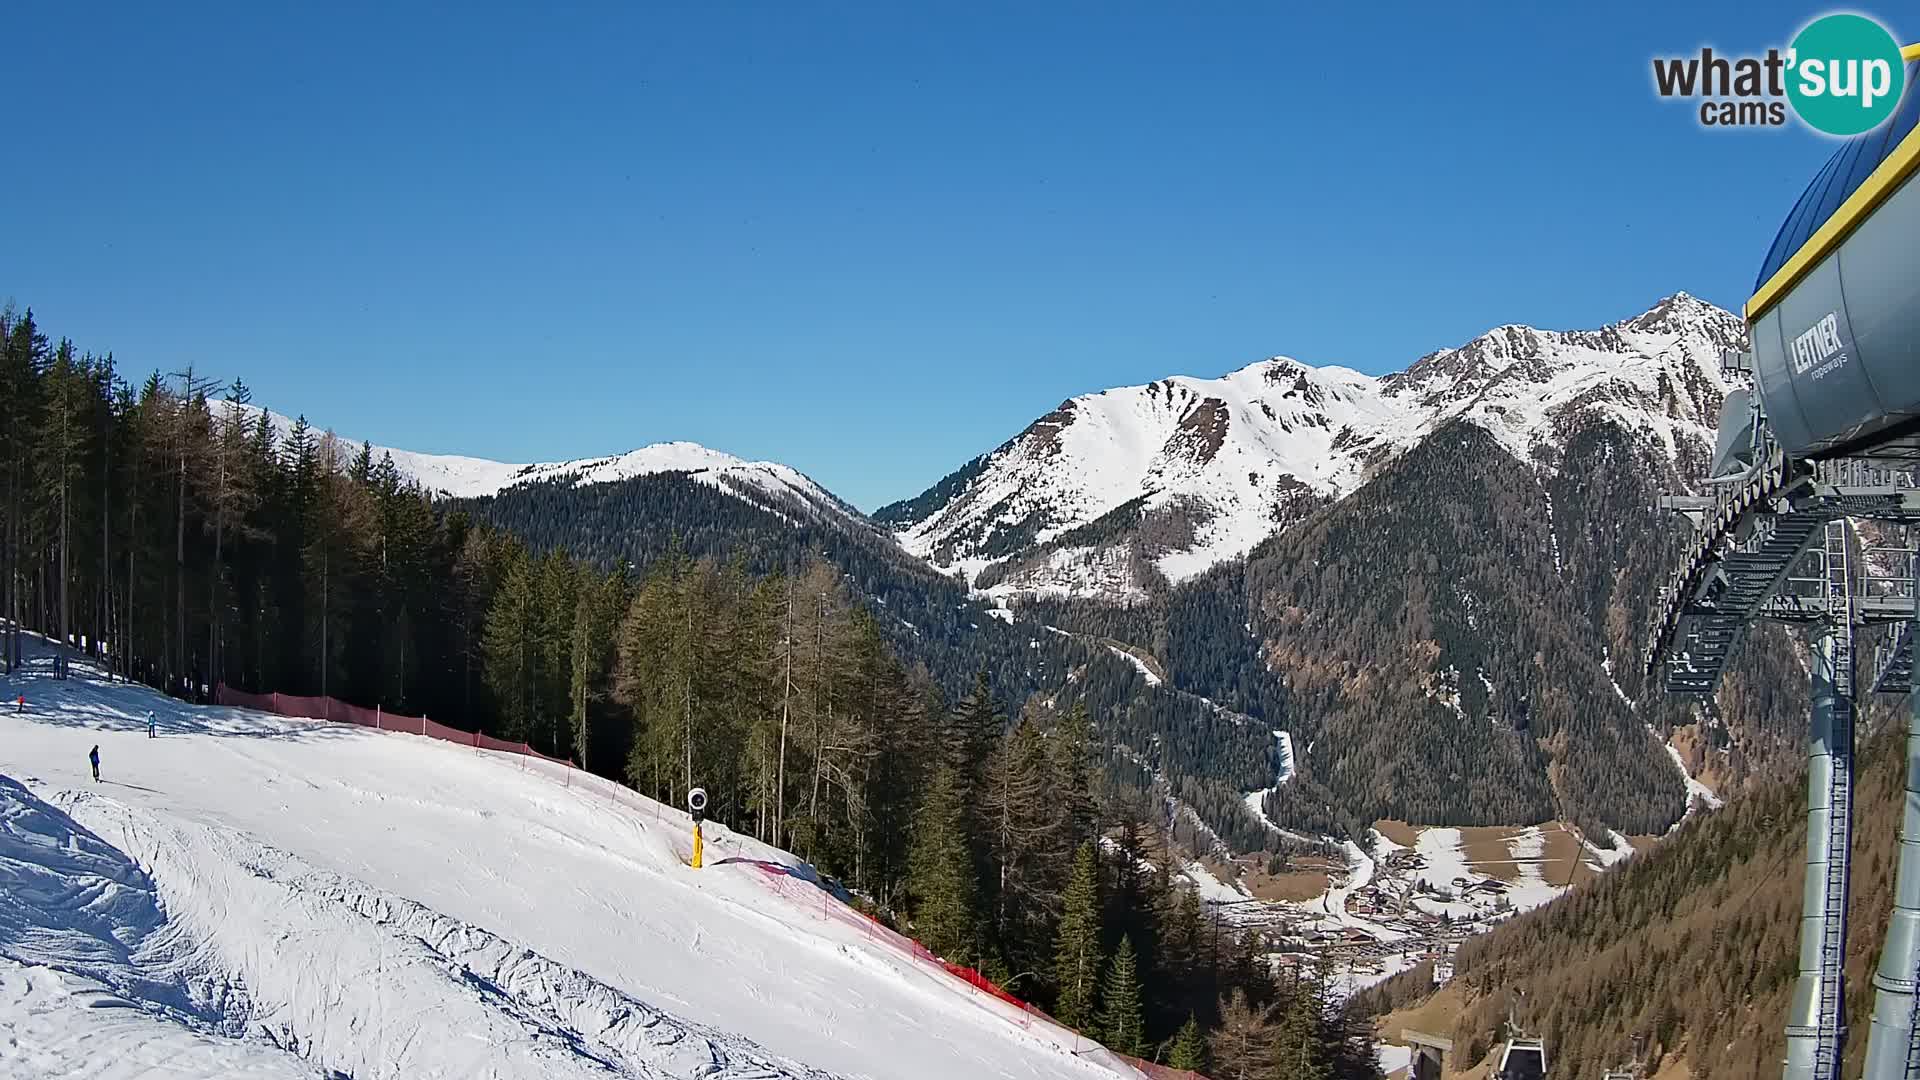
[
  {"x": 1211, "y": 888},
  {"x": 288, "y": 897}
]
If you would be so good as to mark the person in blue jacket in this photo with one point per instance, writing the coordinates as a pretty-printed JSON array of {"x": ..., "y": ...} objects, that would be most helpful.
[
  {"x": 94, "y": 757},
  {"x": 150, "y": 723}
]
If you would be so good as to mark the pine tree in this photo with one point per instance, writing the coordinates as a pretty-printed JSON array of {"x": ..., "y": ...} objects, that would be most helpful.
[
  {"x": 230, "y": 495},
  {"x": 23, "y": 356},
  {"x": 558, "y": 588},
  {"x": 1179, "y": 958},
  {"x": 1189, "y": 1049},
  {"x": 1072, "y": 759},
  {"x": 333, "y": 527},
  {"x": 1025, "y": 846},
  {"x": 1076, "y": 956},
  {"x": 940, "y": 870},
  {"x": 1297, "y": 1049},
  {"x": 512, "y": 649},
  {"x": 973, "y": 731},
  {"x": 1121, "y": 1026},
  {"x": 600, "y": 605}
]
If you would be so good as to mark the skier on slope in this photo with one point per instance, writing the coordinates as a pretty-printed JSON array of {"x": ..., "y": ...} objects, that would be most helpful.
[
  {"x": 94, "y": 757},
  {"x": 150, "y": 724}
]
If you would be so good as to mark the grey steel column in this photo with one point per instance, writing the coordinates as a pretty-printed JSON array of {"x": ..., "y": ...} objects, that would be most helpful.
[
  {"x": 1893, "y": 1052},
  {"x": 1815, "y": 1036}
]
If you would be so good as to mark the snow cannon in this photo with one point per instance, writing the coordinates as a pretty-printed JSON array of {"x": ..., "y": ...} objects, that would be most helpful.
[{"x": 697, "y": 806}]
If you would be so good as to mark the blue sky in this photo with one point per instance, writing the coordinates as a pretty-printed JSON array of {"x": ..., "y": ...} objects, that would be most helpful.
[{"x": 862, "y": 239}]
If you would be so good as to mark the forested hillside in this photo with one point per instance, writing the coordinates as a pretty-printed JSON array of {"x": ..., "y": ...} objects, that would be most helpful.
[
  {"x": 1455, "y": 642},
  {"x": 174, "y": 534},
  {"x": 1166, "y": 743},
  {"x": 1458, "y": 642},
  {"x": 1693, "y": 943}
]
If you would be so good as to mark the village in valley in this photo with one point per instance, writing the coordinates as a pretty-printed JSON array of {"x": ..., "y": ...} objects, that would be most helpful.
[{"x": 1412, "y": 895}]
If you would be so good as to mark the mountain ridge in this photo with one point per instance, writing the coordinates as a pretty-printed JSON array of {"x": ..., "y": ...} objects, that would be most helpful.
[
  {"x": 1203, "y": 470},
  {"x": 1589, "y": 423},
  {"x": 771, "y": 485}
]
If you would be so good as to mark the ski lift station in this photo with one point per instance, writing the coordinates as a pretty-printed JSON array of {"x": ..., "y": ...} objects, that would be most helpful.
[{"x": 1822, "y": 436}]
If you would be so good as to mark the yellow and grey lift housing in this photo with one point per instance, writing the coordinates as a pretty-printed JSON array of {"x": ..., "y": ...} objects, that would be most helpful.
[{"x": 1835, "y": 314}]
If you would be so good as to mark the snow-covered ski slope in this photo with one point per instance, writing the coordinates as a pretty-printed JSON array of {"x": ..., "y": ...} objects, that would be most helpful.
[{"x": 249, "y": 895}]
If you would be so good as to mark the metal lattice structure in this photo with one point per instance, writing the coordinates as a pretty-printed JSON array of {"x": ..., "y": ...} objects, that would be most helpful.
[
  {"x": 1818, "y": 451},
  {"x": 1789, "y": 541}
]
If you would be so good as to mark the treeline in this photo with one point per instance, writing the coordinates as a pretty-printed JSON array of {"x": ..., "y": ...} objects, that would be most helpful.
[{"x": 171, "y": 529}]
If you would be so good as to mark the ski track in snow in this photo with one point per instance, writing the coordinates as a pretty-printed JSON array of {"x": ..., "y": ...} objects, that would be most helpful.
[
  {"x": 1528, "y": 848},
  {"x": 1695, "y": 789},
  {"x": 1698, "y": 794},
  {"x": 1257, "y": 800},
  {"x": 1138, "y": 664},
  {"x": 257, "y": 896},
  {"x": 1621, "y": 848}
]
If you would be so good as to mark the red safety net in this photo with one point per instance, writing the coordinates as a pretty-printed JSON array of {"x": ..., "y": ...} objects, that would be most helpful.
[
  {"x": 257, "y": 702},
  {"x": 1160, "y": 1072},
  {"x": 340, "y": 712},
  {"x": 783, "y": 880}
]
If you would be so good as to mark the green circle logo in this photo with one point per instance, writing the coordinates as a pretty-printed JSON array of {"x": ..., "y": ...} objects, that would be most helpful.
[{"x": 1846, "y": 75}]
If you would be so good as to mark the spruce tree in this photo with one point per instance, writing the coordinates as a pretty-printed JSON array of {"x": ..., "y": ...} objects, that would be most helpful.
[
  {"x": 974, "y": 730},
  {"x": 1027, "y": 850},
  {"x": 512, "y": 645},
  {"x": 1121, "y": 1026},
  {"x": 1072, "y": 754},
  {"x": 1297, "y": 1050},
  {"x": 940, "y": 870},
  {"x": 1076, "y": 956},
  {"x": 1189, "y": 1049},
  {"x": 1179, "y": 956}
]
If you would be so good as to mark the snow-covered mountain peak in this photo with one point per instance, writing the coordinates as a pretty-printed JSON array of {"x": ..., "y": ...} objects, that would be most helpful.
[
  {"x": 768, "y": 484},
  {"x": 1191, "y": 471}
]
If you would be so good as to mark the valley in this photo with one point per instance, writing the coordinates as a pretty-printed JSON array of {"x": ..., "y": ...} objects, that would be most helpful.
[
  {"x": 1189, "y": 598},
  {"x": 781, "y": 542},
  {"x": 1374, "y": 724},
  {"x": 1411, "y": 895}
]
